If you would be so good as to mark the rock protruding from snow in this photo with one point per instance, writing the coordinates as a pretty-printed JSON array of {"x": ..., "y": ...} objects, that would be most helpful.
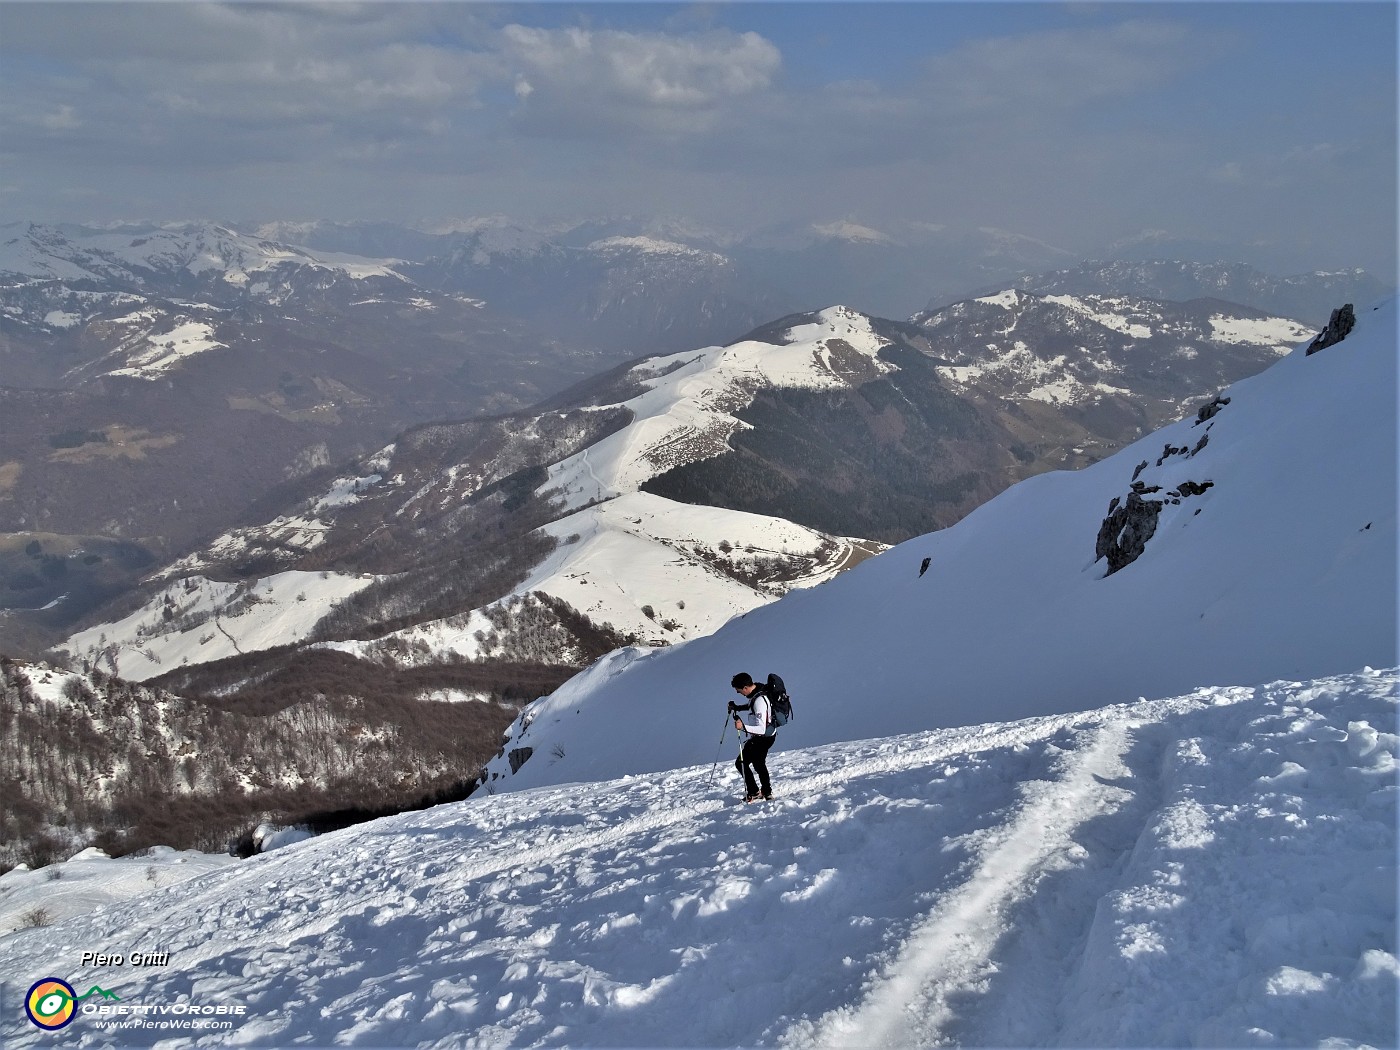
[
  {"x": 1338, "y": 328},
  {"x": 1124, "y": 533}
]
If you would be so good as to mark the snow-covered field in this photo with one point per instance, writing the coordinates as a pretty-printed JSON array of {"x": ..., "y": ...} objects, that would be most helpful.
[
  {"x": 91, "y": 881},
  {"x": 151, "y": 356},
  {"x": 197, "y": 620},
  {"x": 1213, "y": 870}
]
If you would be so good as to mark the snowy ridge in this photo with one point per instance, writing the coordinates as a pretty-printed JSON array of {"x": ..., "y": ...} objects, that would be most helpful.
[
  {"x": 194, "y": 619},
  {"x": 1309, "y": 297},
  {"x": 1216, "y": 869},
  {"x": 653, "y": 246},
  {"x": 658, "y": 570},
  {"x": 686, "y": 415}
]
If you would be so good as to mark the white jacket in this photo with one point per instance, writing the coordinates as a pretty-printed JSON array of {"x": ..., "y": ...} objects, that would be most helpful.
[{"x": 762, "y": 712}]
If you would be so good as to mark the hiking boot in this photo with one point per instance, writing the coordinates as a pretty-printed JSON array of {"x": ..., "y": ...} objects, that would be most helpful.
[
  {"x": 768, "y": 796},
  {"x": 752, "y": 798}
]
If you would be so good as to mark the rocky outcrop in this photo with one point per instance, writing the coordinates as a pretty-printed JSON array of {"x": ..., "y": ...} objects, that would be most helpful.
[
  {"x": 1125, "y": 531},
  {"x": 1338, "y": 328},
  {"x": 1130, "y": 523},
  {"x": 1211, "y": 410},
  {"x": 1189, "y": 488}
]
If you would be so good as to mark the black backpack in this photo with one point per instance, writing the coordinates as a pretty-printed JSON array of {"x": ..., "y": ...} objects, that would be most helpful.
[{"x": 779, "y": 701}]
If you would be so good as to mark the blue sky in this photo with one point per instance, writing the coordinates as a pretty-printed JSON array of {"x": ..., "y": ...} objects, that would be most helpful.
[{"x": 1263, "y": 123}]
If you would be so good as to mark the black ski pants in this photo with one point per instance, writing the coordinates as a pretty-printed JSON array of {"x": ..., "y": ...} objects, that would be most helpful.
[{"x": 754, "y": 752}]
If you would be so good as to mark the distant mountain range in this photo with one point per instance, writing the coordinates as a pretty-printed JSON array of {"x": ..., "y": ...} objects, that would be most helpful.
[
  {"x": 139, "y": 363},
  {"x": 667, "y": 285},
  {"x": 763, "y": 273},
  {"x": 655, "y": 502},
  {"x": 1308, "y": 297},
  {"x": 158, "y": 384}
]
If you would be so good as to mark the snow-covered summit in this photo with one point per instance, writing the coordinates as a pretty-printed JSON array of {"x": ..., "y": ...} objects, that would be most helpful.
[{"x": 687, "y": 411}]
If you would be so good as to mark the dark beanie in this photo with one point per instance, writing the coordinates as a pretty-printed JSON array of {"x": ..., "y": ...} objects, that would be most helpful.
[{"x": 740, "y": 680}]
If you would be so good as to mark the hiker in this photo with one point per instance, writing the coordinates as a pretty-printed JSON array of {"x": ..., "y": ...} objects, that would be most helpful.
[{"x": 761, "y": 732}]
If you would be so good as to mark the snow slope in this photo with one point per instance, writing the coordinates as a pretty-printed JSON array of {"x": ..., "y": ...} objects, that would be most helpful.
[
  {"x": 1284, "y": 565},
  {"x": 1216, "y": 869},
  {"x": 90, "y": 881},
  {"x": 198, "y": 619},
  {"x": 647, "y": 566}
]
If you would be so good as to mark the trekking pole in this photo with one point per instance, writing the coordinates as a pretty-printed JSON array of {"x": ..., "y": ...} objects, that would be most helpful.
[{"x": 722, "y": 735}]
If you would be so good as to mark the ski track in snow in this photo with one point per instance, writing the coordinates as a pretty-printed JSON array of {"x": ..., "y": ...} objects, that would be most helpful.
[
  {"x": 949, "y": 956},
  {"x": 1198, "y": 871},
  {"x": 604, "y": 492}
]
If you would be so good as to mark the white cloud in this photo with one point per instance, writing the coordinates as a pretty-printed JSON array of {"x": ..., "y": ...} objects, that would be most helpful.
[
  {"x": 64, "y": 118},
  {"x": 647, "y": 79}
]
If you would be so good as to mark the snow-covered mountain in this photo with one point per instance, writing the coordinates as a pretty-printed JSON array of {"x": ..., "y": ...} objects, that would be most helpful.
[
  {"x": 164, "y": 257},
  {"x": 1252, "y": 539},
  {"x": 977, "y": 396},
  {"x": 1109, "y": 355},
  {"x": 673, "y": 494},
  {"x": 643, "y": 566},
  {"x": 1216, "y": 869},
  {"x": 79, "y": 304},
  {"x": 1309, "y": 297}
]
